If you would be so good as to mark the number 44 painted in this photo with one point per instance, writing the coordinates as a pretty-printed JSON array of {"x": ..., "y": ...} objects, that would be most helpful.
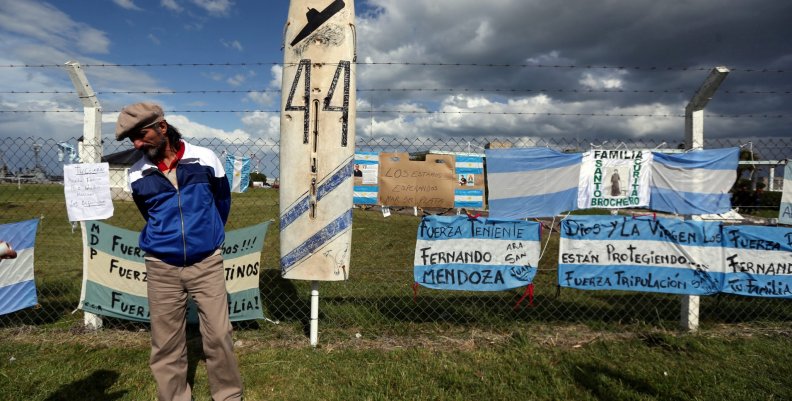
[{"x": 305, "y": 68}]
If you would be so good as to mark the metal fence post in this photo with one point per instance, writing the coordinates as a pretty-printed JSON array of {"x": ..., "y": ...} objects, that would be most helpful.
[
  {"x": 91, "y": 149},
  {"x": 694, "y": 139}
]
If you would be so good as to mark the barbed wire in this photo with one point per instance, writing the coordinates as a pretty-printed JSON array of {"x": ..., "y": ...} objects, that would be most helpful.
[
  {"x": 443, "y": 112},
  {"x": 423, "y": 64},
  {"x": 466, "y": 90}
]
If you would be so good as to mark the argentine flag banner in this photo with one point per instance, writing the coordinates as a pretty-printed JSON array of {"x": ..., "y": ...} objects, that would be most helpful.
[
  {"x": 238, "y": 173},
  {"x": 17, "y": 287},
  {"x": 475, "y": 254},
  {"x": 531, "y": 182},
  {"x": 696, "y": 182},
  {"x": 115, "y": 279},
  {"x": 641, "y": 254},
  {"x": 758, "y": 261},
  {"x": 541, "y": 182}
]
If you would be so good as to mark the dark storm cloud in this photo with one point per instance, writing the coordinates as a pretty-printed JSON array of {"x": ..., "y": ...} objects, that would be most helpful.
[{"x": 666, "y": 49}]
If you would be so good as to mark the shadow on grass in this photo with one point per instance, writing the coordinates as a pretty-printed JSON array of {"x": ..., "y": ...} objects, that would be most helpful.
[
  {"x": 606, "y": 383},
  {"x": 728, "y": 308},
  {"x": 92, "y": 388},
  {"x": 281, "y": 299}
]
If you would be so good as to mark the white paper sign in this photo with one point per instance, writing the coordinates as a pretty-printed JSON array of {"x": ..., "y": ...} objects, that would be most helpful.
[
  {"x": 87, "y": 190},
  {"x": 370, "y": 172}
]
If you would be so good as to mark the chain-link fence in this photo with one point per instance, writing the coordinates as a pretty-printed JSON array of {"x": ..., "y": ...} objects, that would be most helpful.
[{"x": 379, "y": 292}]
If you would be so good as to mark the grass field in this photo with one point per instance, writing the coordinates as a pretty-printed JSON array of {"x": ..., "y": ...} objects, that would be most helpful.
[
  {"x": 380, "y": 341},
  {"x": 522, "y": 366}
]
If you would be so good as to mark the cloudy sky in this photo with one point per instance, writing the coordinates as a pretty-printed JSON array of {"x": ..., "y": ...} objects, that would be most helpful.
[{"x": 460, "y": 68}]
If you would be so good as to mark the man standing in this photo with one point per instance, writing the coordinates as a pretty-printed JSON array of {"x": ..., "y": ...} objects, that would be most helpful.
[{"x": 183, "y": 194}]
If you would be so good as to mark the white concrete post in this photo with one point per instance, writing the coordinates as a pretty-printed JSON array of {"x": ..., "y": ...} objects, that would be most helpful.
[
  {"x": 314, "y": 324},
  {"x": 694, "y": 139},
  {"x": 90, "y": 150}
]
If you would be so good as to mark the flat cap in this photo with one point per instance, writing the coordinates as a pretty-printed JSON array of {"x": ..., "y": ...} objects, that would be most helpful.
[{"x": 136, "y": 116}]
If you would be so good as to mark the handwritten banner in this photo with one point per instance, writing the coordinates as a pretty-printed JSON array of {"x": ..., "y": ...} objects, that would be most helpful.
[
  {"x": 114, "y": 273},
  {"x": 640, "y": 254},
  {"x": 758, "y": 261},
  {"x": 461, "y": 253},
  {"x": 87, "y": 191}
]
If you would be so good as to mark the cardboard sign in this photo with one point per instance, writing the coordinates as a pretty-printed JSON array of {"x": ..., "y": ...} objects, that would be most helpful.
[{"x": 427, "y": 184}]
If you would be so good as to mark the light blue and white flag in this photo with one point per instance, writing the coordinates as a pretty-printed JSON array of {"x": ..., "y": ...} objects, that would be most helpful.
[
  {"x": 758, "y": 261},
  {"x": 696, "y": 182},
  {"x": 785, "y": 212},
  {"x": 469, "y": 165},
  {"x": 67, "y": 153},
  {"x": 640, "y": 254},
  {"x": 366, "y": 187},
  {"x": 238, "y": 173},
  {"x": 17, "y": 287},
  {"x": 531, "y": 182},
  {"x": 475, "y": 254},
  {"x": 469, "y": 198}
]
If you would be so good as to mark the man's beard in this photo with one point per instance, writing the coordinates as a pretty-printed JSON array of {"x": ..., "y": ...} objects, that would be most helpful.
[{"x": 156, "y": 153}]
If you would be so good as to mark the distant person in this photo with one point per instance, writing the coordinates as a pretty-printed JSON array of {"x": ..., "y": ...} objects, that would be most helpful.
[
  {"x": 183, "y": 194},
  {"x": 757, "y": 200},
  {"x": 741, "y": 197}
]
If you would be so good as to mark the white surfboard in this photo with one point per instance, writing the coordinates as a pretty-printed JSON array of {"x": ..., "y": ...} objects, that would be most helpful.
[{"x": 317, "y": 143}]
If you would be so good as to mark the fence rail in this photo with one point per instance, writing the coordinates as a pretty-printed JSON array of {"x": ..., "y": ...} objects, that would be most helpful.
[{"x": 379, "y": 291}]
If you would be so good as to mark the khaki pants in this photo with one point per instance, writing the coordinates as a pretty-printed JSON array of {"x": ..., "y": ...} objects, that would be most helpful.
[{"x": 168, "y": 288}]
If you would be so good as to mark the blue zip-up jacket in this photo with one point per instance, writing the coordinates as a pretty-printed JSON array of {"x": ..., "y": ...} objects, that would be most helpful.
[{"x": 184, "y": 225}]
